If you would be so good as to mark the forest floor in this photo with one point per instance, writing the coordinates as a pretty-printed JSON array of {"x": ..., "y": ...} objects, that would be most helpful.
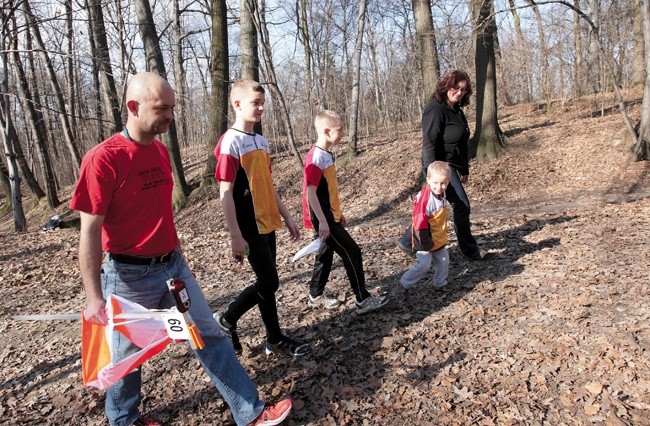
[{"x": 554, "y": 329}]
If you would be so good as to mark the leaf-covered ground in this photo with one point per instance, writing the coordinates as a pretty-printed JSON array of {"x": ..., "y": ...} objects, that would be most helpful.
[{"x": 554, "y": 329}]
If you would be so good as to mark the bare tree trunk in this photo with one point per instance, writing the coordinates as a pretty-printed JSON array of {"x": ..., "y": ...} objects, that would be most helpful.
[
  {"x": 20, "y": 224},
  {"x": 271, "y": 79},
  {"x": 521, "y": 52},
  {"x": 250, "y": 61},
  {"x": 103, "y": 62},
  {"x": 155, "y": 63},
  {"x": 6, "y": 186},
  {"x": 488, "y": 140},
  {"x": 638, "y": 63},
  {"x": 180, "y": 76},
  {"x": 641, "y": 148},
  {"x": 427, "y": 48},
  {"x": 27, "y": 101},
  {"x": 305, "y": 40},
  {"x": 353, "y": 132},
  {"x": 546, "y": 89},
  {"x": 24, "y": 168},
  {"x": 36, "y": 121},
  {"x": 578, "y": 73},
  {"x": 219, "y": 78},
  {"x": 97, "y": 93},
  {"x": 376, "y": 86},
  {"x": 56, "y": 89},
  {"x": 72, "y": 94}
]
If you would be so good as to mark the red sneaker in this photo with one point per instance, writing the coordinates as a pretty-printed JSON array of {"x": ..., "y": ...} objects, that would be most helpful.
[
  {"x": 273, "y": 414},
  {"x": 141, "y": 421}
]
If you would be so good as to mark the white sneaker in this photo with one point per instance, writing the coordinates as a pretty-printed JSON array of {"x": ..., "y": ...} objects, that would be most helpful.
[
  {"x": 371, "y": 303},
  {"x": 324, "y": 301}
]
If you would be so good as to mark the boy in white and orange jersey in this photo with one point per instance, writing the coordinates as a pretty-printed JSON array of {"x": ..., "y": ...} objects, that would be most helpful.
[
  {"x": 322, "y": 211},
  {"x": 253, "y": 212},
  {"x": 427, "y": 235}
]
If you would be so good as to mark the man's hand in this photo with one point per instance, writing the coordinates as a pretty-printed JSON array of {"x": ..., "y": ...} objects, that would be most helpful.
[{"x": 95, "y": 311}]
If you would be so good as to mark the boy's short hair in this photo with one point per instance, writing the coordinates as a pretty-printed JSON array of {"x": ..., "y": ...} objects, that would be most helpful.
[
  {"x": 326, "y": 118},
  {"x": 439, "y": 167},
  {"x": 241, "y": 87}
]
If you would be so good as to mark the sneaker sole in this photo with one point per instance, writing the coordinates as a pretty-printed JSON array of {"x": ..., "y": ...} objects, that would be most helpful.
[
  {"x": 278, "y": 419},
  {"x": 373, "y": 308},
  {"x": 316, "y": 305},
  {"x": 270, "y": 352}
]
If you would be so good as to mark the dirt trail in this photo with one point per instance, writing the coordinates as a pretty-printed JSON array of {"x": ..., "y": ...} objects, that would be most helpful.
[{"x": 553, "y": 330}]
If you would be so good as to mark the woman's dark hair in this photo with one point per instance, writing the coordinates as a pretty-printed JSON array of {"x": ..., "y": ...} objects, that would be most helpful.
[{"x": 449, "y": 81}]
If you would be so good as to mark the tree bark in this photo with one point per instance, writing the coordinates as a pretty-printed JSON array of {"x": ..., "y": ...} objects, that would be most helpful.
[
  {"x": 641, "y": 149},
  {"x": 33, "y": 119},
  {"x": 488, "y": 141},
  {"x": 427, "y": 48},
  {"x": 305, "y": 40},
  {"x": 522, "y": 53},
  {"x": 250, "y": 61},
  {"x": 56, "y": 89},
  {"x": 156, "y": 63},
  {"x": 72, "y": 94},
  {"x": 353, "y": 132},
  {"x": 20, "y": 224},
  {"x": 36, "y": 121},
  {"x": 180, "y": 76},
  {"x": 104, "y": 66},
  {"x": 4, "y": 183},
  {"x": 219, "y": 79},
  {"x": 638, "y": 64},
  {"x": 578, "y": 73},
  {"x": 546, "y": 89},
  {"x": 97, "y": 92}
]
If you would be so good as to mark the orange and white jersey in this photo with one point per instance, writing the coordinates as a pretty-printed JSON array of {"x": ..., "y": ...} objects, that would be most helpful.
[
  {"x": 320, "y": 171},
  {"x": 430, "y": 214},
  {"x": 245, "y": 159}
]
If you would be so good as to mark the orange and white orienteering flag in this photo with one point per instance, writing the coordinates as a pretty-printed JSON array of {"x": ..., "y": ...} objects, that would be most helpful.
[{"x": 149, "y": 329}]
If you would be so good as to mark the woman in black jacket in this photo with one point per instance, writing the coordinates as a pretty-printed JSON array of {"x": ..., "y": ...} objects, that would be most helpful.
[{"x": 445, "y": 135}]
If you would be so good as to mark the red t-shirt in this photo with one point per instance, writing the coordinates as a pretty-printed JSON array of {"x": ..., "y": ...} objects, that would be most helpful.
[{"x": 131, "y": 186}]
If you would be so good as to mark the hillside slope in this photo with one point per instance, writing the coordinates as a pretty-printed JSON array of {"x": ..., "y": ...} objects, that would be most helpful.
[{"x": 553, "y": 330}]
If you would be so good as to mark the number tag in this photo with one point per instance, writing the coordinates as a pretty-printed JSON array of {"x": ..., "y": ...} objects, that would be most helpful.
[{"x": 176, "y": 326}]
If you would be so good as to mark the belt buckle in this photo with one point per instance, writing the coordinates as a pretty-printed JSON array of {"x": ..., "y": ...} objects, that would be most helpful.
[{"x": 166, "y": 257}]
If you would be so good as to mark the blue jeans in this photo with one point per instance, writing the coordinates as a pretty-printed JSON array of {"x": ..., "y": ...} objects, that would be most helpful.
[
  {"x": 147, "y": 286},
  {"x": 459, "y": 201}
]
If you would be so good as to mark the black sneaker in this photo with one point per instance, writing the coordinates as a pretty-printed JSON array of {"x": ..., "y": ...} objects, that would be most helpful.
[
  {"x": 289, "y": 347},
  {"x": 481, "y": 256},
  {"x": 231, "y": 331}
]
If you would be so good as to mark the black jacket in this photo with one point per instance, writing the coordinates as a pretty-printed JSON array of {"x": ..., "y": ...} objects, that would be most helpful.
[{"x": 445, "y": 133}]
